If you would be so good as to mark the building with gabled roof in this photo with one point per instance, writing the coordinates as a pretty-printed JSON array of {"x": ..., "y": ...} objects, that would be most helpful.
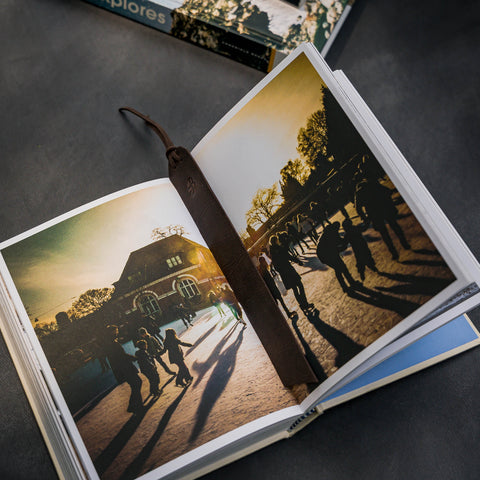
[{"x": 164, "y": 274}]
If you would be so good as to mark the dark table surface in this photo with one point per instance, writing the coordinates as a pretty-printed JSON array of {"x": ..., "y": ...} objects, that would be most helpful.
[{"x": 66, "y": 67}]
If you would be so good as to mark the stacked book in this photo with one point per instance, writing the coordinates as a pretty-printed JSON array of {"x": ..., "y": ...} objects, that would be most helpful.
[{"x": 258, "y": 33}]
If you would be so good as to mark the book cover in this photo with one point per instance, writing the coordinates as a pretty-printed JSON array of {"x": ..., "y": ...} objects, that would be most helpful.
[{"x": 258, "y": 33}]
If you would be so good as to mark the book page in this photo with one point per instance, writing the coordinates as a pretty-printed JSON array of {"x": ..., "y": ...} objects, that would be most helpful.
[
  {"x": 346, "y": 253},
  {"x": 128, "y": 282},
  {"x": 450, "y": 339}
]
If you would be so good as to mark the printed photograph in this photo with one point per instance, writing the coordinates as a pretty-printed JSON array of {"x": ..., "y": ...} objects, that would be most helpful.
[
  {"x": 335, "y": 242},
  {"x": 277, "y": 24},
  {"x": 149, "y": 346}
]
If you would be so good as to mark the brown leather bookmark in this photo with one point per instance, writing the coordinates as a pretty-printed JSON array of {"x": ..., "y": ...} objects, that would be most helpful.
[{"x": 231, "y": 256}]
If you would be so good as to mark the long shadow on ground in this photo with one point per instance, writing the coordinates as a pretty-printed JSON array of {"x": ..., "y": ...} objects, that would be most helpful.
[
  {"x": 200, "y": 339},
  {"x": 134, "y": 469},
  {"x": 426, "y": 263},
  {"x": 426, "y": 251},
  {"x": 107, "y": 457},
  {"x": 415, "y": 285},
  {"x": 313, "y": 264},
  {"x": 380, "y": 300},
  {"x": 343, "y": 344},
  {"x": 201, "y": 368},
  {"x": 216, "y": 384},
  {"x": 309, "y": 355}
]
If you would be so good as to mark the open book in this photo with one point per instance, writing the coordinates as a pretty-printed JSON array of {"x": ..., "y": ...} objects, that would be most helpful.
[{"x": 298, "y": 262}]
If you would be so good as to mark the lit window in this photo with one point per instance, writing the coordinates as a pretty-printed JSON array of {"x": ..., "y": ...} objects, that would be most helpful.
[
  {"x": 174, "y": 261},
  {"x": 149, "y": 305},
  {"x": 188, "y": 288}
]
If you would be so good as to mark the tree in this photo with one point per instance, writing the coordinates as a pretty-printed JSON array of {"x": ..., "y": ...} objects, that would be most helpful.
[
  {"x": 343, "y": 139},
  {"x": 312, "y": 143},
  {"x": 296, "y": 169},
  {"x": 294, "y": 175},
  {"x": 168, "y": 231},
  {"x": 264, "y": 204},
  {"x": 45, "y": 329},
  {"x": 89, "y": 302}
]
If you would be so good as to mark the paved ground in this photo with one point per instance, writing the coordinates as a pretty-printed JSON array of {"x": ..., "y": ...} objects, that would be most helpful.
[
  {"x": 233, "y": 384},
  {"x": 346, "y": 323}
]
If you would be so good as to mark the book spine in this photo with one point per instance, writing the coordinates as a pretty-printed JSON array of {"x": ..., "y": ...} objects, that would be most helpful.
[
  {"x": 304, "y": 420},
  {"x": 179, "y": 24}
]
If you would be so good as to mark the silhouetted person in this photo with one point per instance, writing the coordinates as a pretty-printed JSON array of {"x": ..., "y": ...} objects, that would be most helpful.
[
  {"x": 341, "y": 199},
  {"x": 329, "y": 247},
  {"x": 269, "y": 280},
  {"x": 187, "y": 303},
  {"x": 288, "y": 239},
  {"x": 147, "y": 365},
  {"x": 155, "y": 348},
  {"x": 182, "y": 313},
  {"x": 175, "y": 355},
  {"x": 215, "y": 301},
  {"x": 307, "y": 227},
  {"x": 363, "y": 255},
  {"x": 231, "y": 301},
  {"x": 281, "y": 259},
  {"x": 123, "y": 368},
  {"x": 319, "y": 212},
  {"x": 373, "y": 201},
  {"x": 152, "y": 326},
  {"x": 299, "y": 235},
  {"x": 98, "y": 351},
  {"x": 264, "y": 254}
]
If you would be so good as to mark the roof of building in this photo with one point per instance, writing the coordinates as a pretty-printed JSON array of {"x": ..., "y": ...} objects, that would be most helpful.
[{"x": 149, "y": 263}]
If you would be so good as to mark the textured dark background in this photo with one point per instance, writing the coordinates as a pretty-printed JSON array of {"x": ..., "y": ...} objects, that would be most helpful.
[{"x": 66, "y": 66}]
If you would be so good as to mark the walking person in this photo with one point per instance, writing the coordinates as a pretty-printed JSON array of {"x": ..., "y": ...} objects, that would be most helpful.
[
  {"x": 173, "y": 345},
  {"x": 189, "y": 308},
  {"x": 341, "y": 198},
  {"x": 155, "y": 348},
  {"x": 270, "y": 282},
  {"x": 329, "y": 247},
  {"x": 319, "y": 212},
  {"x": 182, "y": 315},
  {"x": 363, "y": 255},
  {"x": 288, "y": 239},
  {"x": 267, "y": 259},
  {"x": 147, "y": 365},
  {"x": 307, "y": 227},
  {"x": 123, "y": 369},
  {"x": 231, "y": 300},
  {"x": 152, "y": 325},
  {"x": 298, "y": 234},
  {"x": 281, "y": 259},
  {"x": 374, "y": 202},
  {"x": 215, "y": 301}
]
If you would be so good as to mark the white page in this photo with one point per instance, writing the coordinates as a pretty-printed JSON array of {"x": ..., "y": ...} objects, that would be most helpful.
[
  {"x": 235, "y": 392},
  {"x": 245, "y": 152}
]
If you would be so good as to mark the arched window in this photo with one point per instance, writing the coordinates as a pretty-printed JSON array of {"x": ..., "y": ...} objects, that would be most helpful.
[
  {"x": 188, "y": 288},
  {"x": 148, "y": 305}
]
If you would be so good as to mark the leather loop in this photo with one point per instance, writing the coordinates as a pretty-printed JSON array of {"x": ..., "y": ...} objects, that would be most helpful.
[{"x": 172, "y": 156}]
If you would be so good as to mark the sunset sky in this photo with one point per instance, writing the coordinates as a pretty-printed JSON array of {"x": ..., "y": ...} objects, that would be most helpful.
[
  {"x": 248, "y": 152},
  {"x": 89, "y": 250}
]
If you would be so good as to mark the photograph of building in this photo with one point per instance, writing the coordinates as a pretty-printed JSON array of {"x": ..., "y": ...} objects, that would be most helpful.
[
  {"x": 164, "y": 274},
  {"x": 151, "y": 351}
]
